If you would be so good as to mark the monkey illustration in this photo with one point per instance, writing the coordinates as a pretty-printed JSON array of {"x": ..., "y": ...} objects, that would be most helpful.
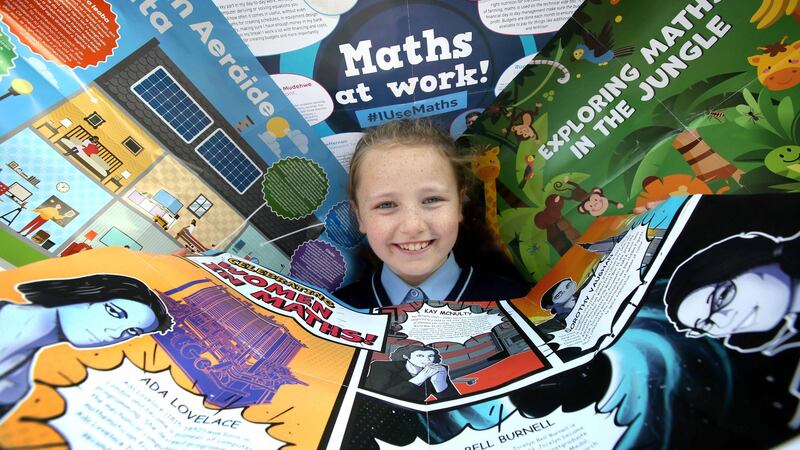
[
  {"x": 560, "y": 232},
  {"x": 524, "y": 130},
  {"x": 471, "y": 117},
  {"x": 594, "y": 203}
]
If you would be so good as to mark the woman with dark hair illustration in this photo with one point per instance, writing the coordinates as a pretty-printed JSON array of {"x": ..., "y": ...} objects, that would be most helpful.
[
  {"x": 744, "y": 289},
  {"x": 560, "y": 299},
  {"x": 414, "y": 372},
  {"x": 86, "y": 312}
]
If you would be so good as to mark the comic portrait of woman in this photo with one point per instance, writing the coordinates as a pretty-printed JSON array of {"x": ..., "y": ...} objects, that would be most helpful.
[
  {"x": 744, "y": 289},
  {"x": 86, "y": 312}
]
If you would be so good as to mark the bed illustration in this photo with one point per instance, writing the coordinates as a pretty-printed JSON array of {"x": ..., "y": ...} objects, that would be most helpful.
[{"x": 101, "y": 162}]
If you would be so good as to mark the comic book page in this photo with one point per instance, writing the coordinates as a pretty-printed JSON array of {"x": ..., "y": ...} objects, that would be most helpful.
[
  {"x": 441, "y": 358},
  {"x": 609, "y": 364},
  {"x": 715, "y": 336},
  {"x": 217, "y": 349},
  {"x": 203, "y": 351},
  {"x": 631, "y": 103}
]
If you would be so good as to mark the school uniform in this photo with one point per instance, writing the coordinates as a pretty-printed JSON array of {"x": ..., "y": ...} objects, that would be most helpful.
[{"x": 449, "y": 282}]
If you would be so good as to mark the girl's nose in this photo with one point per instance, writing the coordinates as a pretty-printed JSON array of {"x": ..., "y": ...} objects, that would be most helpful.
[{"x": 413, "y": 221}]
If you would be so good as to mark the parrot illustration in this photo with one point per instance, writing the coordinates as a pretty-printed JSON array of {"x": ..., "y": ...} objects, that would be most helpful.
[
  {"x": 528, "y": 174},
  {"x": 598, "y": 49}
]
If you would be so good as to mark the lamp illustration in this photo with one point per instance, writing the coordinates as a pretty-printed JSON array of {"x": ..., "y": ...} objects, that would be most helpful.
[{"x": 19, "y": 86}]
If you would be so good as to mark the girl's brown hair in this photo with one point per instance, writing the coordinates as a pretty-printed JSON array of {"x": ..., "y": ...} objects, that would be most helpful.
[
  {"x": 407, "y": 132},
  {"x": 475, "y": 245}
]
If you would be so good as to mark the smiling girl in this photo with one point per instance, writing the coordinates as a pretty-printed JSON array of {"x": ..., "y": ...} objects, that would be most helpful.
[{"x": 406, "y": 188}]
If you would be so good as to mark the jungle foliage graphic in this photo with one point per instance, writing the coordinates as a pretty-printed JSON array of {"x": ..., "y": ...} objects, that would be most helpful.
[{"x": 611, "y": 118}]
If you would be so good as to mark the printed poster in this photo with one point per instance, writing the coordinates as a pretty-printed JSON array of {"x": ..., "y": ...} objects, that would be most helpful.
[
  {"x": 350, "y": 65},
  {"x": 220, "y": 351},
  {"x": 151, "y": 126},
  {"x": 111, "y": 348},
  {"x": 616, "y": 117}
]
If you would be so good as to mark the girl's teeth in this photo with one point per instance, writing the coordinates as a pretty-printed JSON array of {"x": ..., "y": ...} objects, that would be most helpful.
[{"x": 415, "y": 246}]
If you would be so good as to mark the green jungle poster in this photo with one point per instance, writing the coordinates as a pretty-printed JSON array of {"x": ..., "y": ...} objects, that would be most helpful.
[{"x": 613, "y": 117}]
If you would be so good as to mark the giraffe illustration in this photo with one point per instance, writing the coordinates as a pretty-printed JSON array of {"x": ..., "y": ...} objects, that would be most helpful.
[{"x": 486, "y": 167}]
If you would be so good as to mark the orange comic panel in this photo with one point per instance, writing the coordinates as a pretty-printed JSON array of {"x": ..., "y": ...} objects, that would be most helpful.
[
  {"x": 576, "y": 264},
  {"x": 298, "y": 412}
]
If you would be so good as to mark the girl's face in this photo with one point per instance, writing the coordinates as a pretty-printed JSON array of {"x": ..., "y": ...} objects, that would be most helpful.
[
  {"x": 409, "y": 207},
  {"x": 103, "y": 323}
]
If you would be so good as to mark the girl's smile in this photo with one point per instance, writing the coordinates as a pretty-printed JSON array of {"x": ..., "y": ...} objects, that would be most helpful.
[{"x": 413, "y": 247}]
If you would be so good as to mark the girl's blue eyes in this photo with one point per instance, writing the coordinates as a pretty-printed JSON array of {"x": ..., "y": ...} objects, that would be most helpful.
[{"x": 427, "y": 201}]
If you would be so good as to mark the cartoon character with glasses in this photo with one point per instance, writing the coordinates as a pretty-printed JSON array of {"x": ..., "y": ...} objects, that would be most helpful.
[
  {"x": 560, "y": 300},
  {"x": 744, "y": 289},
  {"x": 87, "y": 312}
]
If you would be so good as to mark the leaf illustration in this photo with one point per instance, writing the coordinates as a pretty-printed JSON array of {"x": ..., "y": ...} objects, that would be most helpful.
[
  {"x": 786, "y": 116},
  {"x": 538, "y": 255},
  {"x": 788, "y": 187},
  {"x": 753, "y": 156},
  {"x": 721, "y": 85},
  {"x": 769, "y": 116},
  {"x": 513, "y": 221},
  {"x": 751, "y": 101},
  {"x": 762, "y": 179},
  {"x": 659, "y": 156},
  {"x": 634, "y": 146}
]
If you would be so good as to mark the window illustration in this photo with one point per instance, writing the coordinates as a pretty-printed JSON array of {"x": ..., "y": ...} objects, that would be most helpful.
[
  {"x": 132, "y": 145},
  {"x": 94, "y": 119},
  {"x": 200, "y": 206}
]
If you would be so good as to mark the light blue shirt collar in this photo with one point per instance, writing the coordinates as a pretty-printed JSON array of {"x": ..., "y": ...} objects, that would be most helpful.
[{"x": 436, "y": 286}]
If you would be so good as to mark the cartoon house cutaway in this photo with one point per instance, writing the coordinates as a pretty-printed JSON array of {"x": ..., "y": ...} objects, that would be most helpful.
[
  {"x": 43, "y": 198},
  {"x": 143, "y": 133},
  {"x": 89, "y": 125},
  {"x": 151, "y": 88}
]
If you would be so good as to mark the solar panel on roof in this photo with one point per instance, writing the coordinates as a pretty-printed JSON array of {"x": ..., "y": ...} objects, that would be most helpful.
[
  {"x": 229, "y": 161},
  {"x": 162, "y": 94}
]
